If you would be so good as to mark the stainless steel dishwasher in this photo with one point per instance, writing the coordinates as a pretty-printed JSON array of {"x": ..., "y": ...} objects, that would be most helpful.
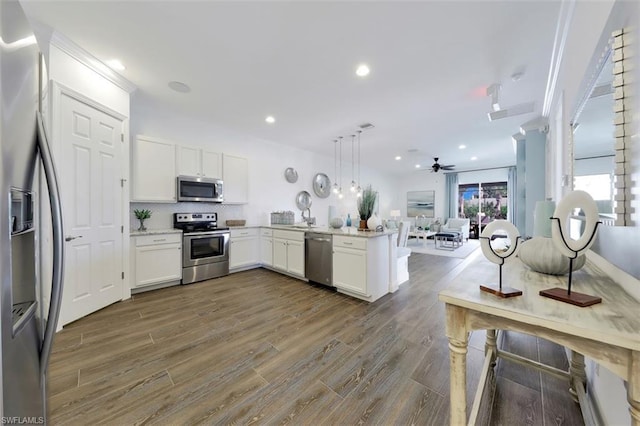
[{"x": 318, "y": 259}]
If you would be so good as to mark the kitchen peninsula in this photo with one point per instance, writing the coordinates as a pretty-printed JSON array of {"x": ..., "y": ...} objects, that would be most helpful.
[{"x": 364, "y": 262}]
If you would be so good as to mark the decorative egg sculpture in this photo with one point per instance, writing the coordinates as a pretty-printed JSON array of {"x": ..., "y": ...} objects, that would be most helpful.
[
  {"x": 541, "y": 255},
  {"x": 336, "y": 222}
]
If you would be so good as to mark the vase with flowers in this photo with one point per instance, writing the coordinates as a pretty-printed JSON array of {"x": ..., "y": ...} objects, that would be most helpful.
[
  {"x": 141, "y": 215},
  {"x": 366, "y": 205}
]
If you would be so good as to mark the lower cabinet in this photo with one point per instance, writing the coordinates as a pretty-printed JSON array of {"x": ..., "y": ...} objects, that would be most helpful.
[
  {"x": 266, "y": 247},
  {"x": 361, "y": 266},
  {"x": 243, "y": 248},
  {"x": 288, "y": 252},
  {"x": 157, "y": 259}
]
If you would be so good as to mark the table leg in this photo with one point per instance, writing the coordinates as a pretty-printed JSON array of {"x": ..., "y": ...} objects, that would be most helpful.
[
  {"x": 576, "y": 370},
  {"x": 491, "y": 343},
  {"x": 458, "y": 374},
  {"x": 633, "y": 388},
  {"x": 458, "y": 338}
]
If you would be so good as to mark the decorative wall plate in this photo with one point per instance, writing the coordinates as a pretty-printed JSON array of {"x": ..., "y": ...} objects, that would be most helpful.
[
  {"x": 291, "y": 175},
  {"x": 303, "y": 200},
  {"x": 322, "y": 185}
]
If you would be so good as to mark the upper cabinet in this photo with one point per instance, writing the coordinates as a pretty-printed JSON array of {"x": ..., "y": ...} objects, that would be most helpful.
[
  {"x": 155, "y": 164},
  {"x": 194, "y": 161},
  {"x": 153, "y": 170},
  {"x": 235, "y": 175}
]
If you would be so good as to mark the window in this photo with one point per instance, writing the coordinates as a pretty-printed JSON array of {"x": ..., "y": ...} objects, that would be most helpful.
[{"x": 483, "y": 202}]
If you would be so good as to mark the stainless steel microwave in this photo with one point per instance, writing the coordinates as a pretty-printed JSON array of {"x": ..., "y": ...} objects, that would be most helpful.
[{"x": 200, "y": 189}]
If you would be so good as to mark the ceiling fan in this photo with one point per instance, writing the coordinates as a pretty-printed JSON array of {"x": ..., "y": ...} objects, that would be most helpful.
[{"x": 437, "y": 167}]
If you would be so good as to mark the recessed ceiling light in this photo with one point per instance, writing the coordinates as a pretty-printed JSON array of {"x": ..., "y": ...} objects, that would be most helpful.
[
  {"x": 474, "y": 158},
  {"x": 362, "y": 70},
  {"x": 115, "y": 64},
  {"x": 270, "y": 119},
  {"x": 462, "y": 146},
  {"x": 418, "y": 166},
  {"x": 179, "y": 87},
  {"x": 398, "y": 157}
]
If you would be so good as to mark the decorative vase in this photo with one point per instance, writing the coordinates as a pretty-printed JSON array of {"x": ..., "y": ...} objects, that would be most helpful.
[
  {"x": 349, "y": 219},
  {"x": 541, "y": 255},
  {"x": 336, "y": 223},
  {"x": 363, "y": 224},
  {"x": 142, "y": 227},
  {"x": 373, "y": 222}
]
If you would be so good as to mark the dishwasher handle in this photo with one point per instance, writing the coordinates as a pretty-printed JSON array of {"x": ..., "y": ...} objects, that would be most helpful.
[{"x": 319, "y": 239}]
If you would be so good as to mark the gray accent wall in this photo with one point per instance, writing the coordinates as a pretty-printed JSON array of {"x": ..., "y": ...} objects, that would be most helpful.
[{"x": 531, "y": 175}]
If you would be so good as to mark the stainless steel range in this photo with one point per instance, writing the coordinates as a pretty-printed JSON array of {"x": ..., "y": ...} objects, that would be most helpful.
[{"x": 205, "y": 247}]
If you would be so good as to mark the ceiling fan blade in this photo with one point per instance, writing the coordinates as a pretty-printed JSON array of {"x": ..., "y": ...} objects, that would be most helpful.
[
  {"x": 449, "y": 167},
  {"x": 511, "y": 111}
]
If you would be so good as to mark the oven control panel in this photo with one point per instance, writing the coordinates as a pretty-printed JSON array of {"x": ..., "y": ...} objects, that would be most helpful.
[{"x": 196, "y": 217}]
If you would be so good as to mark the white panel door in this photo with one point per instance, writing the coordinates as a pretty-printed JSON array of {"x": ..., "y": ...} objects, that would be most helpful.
[
  {"x": 295, "y": 257},
  {"x": 90, "y": 173}
]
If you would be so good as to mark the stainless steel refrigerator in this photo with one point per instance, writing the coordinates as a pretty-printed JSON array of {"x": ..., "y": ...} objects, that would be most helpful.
[{"x": 27, "y": 327}]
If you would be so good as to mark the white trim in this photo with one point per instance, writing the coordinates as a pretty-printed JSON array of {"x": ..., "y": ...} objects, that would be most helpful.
[
  {"x": 560, "y": 39},
  {"x": 91, "y": 62}
]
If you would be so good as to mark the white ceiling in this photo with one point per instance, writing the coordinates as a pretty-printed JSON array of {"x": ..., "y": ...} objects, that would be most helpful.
[{"x": 430, "y": 65}]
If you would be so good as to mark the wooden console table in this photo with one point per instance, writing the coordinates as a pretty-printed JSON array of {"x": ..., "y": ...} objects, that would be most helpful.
[{"x": 609, "y": 332}]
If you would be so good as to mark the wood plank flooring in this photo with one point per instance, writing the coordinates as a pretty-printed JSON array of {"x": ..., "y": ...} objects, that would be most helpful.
[{"x": 258, "y": 347}]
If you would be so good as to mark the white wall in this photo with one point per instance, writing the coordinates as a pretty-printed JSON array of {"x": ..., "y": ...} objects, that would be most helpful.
[
  {"x": 592, "y": 23},
  {"x": 423, "y": 181},
  {"x": 268, "y": 189}
]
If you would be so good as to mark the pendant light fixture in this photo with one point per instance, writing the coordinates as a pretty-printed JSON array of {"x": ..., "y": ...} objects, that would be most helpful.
[
  {"x": 335, "y": 166},
  {"x": 353, "y": 181},
  {"x": 359, "y": 188},
  {"x": 340, "y": 195}
]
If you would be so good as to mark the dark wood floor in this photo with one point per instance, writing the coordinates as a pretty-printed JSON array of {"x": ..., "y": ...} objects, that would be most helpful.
[{"x": 257, "y": 347}]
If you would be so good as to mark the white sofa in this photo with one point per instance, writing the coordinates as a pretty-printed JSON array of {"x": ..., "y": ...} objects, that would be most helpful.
[{"x": 460, "y": 225}]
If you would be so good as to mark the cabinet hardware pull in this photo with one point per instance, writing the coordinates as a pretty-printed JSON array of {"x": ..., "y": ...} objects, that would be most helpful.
[
  {"x": 160, "y": 240},
  {"x": 347, "y": 244}
]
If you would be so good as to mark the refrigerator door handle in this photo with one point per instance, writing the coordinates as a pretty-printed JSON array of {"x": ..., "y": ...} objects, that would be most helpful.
[{"x": 58, "y": 246}]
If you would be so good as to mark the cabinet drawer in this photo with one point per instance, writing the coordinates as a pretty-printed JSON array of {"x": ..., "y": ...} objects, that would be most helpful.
[
  {"x": 150, "y": 240},
  {"x": 244, "y": 232},
  {"x": 266, "y": 232},
  {"x": 288, "y": 235},
  {"x": 350, "y": 242}
]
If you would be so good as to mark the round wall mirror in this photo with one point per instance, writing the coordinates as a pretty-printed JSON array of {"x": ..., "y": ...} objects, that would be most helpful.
[
  {"x": 291, "y": 175},
  {"x": 322, "y": 185}
]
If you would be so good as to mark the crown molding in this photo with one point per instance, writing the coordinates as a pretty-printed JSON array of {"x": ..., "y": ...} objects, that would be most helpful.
[
  {"x": 78, "y": 53},
  {"x": 559, "y": 42}
]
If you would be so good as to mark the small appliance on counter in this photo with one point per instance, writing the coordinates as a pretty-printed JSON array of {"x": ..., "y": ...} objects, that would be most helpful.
[{"x": 205, "y": 246}]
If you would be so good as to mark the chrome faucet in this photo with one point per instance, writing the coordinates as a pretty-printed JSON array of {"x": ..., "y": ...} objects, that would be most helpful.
[{"x": 309, "y": 220}]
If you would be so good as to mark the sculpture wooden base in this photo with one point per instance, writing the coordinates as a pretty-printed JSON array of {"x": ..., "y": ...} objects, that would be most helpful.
[
  {"x": 504, "y": 292},
  {"x": 575, "y": 298}
]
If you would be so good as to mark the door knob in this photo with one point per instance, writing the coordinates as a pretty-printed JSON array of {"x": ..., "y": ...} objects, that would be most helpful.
[{"x": 70, "y": 238}]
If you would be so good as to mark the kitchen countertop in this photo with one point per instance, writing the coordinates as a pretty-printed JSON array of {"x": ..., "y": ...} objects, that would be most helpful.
[
  {"x": 155, "y": 232},
  {"x": 351, "y": 232}
]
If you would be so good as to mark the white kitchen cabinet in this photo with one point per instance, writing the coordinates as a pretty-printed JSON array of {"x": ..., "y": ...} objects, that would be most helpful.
[
  {"x": 153, "y": 164},
  {"x": 266, "y": 246},
  {"x": 361, "y": 266},
  {"x": 235, "y": 175},
  {"x": 157, "y": 260},
  {"x": 288, "y": 252},
  {"x": 194, "y": 161},
  {"x": 244, "y": 248}
]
